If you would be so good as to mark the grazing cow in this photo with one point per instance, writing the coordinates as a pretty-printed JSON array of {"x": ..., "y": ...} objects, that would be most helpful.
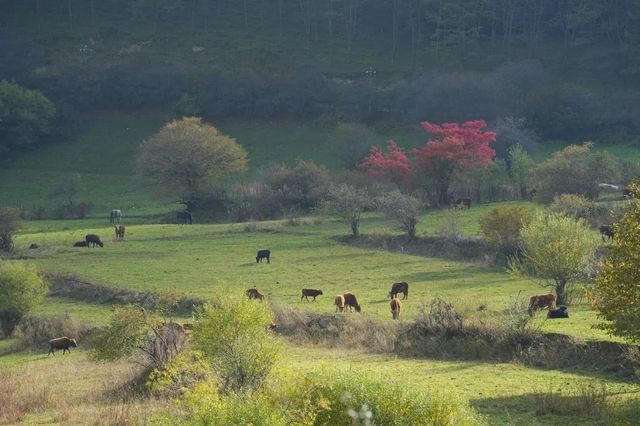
[
  {"x": 541, "y": 301},
  {"x": 463, "y": 202},
  {"x": 120, "y": 229},
  {"x": 606, "y": 231},
  {"x": 93, "y": 239},
  {"x": 401, "y": 287},
  {"x": 33, "y": 246},
  {"x": 561, "y": 312},
  {"x": 396, "y": 304},
  {"x": 351, "y": 301},
  {"x": 263, "y": 254},
  {"x": 184, "y": 218},
  {"x": 339, "y": 302},
  {"x": 81, "y": 244},
  {"x": 116, "y": 216},
  {"x": 306, "y": 292},
  {"x": 532, "y": 193},
  {"x": 253, "y": 293},
  {"x": 63, "y": 343}
]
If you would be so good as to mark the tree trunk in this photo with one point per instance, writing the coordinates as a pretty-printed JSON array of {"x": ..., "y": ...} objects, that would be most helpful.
[
  {"x": 561, "y": 292},
  {"x": 354, "y": 227}
]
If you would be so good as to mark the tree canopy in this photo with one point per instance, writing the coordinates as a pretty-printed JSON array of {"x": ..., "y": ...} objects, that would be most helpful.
[
  {"x": 187, "y": 157},
  {"x": 21, "y": 290}
]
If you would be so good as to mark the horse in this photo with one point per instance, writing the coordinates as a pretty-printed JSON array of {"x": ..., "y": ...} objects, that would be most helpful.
[{"x": 116, "y": 216}]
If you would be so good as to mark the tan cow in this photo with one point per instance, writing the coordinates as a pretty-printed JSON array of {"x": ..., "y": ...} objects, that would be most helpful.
[
  {"x": 339, "y": 302},
  {"x": 396, "y": 304}
]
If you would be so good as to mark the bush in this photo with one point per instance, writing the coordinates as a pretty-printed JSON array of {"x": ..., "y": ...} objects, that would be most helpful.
[
  {"x": 10, "y": 221},
  {"x": 234, "y": 339},
  {"x": 439, "y": 317},
  {"x": 402, "y": 208},
  {"x": 302, "y": 186},
  {"x": 252, "y": 201},
  {"x": 572, "y": 205},
  {"x": 501, "y": 227},
  {"x": 184, "y": 372},
  {"x": 21, "y": 290},
  {"x": 34, "y": 332}
]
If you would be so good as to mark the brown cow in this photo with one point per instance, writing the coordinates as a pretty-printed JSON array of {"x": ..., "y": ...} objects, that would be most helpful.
[
  {"x": 606, "y": 231},
  {"x": 351, "y": 301},
  {"x": 339, "y": 302},
  {"x": 401, "y": 287},
  {"x": 306, "y": 292},
  {"x": 120, "y": 229},
  {"x": 63, "y": 343},
  {"x": 396, "y": 304},
  {"x": 253, "y": 293},
  {"x": 541, "y": 301}
]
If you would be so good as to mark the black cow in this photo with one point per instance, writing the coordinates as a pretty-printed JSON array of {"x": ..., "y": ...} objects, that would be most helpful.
[
  {"x": 463, "y": 202},
  {"x": 606, "y": 231},
  {"x": 184, "y": 218},
  {"x": 401, "y": 287},
  {"x": 561, "y": 312},
  {"x": 94, "y": 240},
  {"x": 253, "y": 293},
  {"x": 306, "y": 292},
  {"x": 81, "y": 244},
  {"x": 263, "y": 254}
]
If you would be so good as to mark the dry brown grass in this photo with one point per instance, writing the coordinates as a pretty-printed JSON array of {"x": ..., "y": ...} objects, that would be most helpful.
[{"x": 73, "y": 391}]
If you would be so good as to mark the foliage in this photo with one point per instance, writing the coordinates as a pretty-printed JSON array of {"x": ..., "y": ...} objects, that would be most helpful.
[
  {"x": 252, "y": 201},
  {"x": 460, "y": 148},
  {"x": 21, "y": 290},
  {"x": 124, "y": 335},
  {"x": 557, "y": 250},
  {"x": 10, "y": 222},
  {"x": 25, "y": 116},
  {"x": 520, "y": 169},
  {"x": 402, "y": 208},
  {"x": 302, "y": 186},
  {"x": 510, "y": 132},
  {"x": 501, "y": 227},
  {"x": 571, "y": 205},
  {"x": 616, "y": 295},
  {"x": 183, "y": 373},
  {"x": 336, "y": 398},
  {"x": 575, "y": 169},
  {"x": 233, "y": 335},
  {"x": 186, "y": 157},
  {"x": 347, "y": 202},
  {"x": 392, "y": 165}
]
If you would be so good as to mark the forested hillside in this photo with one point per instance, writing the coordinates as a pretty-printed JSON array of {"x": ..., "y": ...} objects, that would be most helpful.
[{"x": 570, "y": 68}]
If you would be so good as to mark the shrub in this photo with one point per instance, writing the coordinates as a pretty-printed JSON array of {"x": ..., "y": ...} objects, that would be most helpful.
[
  {"x": 583, "y": 399},
  {"x": 35, "y": 331},
  {"x": 439, "y": 317},
  {"x": 302, "y": 186},
  {"x": 402, "y": 208},
  {"x": 10, "y": 220},
  {"x": 184, "y": 372},
  {"x": 501, "y": 227},
  {"x": 21, "y": 290},
  {"x": 234, "y": 339},
  {"x": 252, "y": 201},
  {"x": 572, "y": 205}
]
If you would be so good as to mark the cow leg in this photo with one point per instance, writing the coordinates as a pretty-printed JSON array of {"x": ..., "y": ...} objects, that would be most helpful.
[{"x": 268, "y": 261}]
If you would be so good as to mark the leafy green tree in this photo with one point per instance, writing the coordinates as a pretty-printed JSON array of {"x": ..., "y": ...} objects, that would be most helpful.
[
  {"x": 349, "y": 203},
  {"x": 21, "y": 290},
  {"x": 501, "y": 227},
  {"x": 124, "y": 335},
  {"x": 402, "y": 208},
  {"x": 10, "y": 220},
  {"x": 187, "y": 157},
  {"x": 233, "y": 335},
  {"x": 520, "y": 169},
  {"x": 557, "y": 250},
  {"x": 25, "y": 116},
  {"x": 616, "y": 295}
]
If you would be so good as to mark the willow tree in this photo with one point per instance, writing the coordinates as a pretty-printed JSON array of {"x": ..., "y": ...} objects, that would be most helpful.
[{"x": 187, "y": 158}]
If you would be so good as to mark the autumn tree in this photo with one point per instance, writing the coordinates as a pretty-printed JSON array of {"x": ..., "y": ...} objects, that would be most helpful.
[
  {"x": 458, "y": 147},
  {"x": 556, "y": 250},
  {"x": 349, "y": 203},
  {"x": 392, "y": 164},
  {"x": 187, "y": 157},
  {"x": 616, "y": 295}
]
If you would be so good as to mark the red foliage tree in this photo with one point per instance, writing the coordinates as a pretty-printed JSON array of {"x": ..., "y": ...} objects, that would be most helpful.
[
  {"x": 459, "y": 148},
  {"x": 393, "y": 165}
]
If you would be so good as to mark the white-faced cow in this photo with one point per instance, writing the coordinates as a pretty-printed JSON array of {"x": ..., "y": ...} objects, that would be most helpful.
[{"x": 263, "y": 254}]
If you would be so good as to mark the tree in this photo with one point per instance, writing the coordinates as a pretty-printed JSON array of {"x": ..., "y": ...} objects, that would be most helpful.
[
  {"x": 25, "y": 116},
  {"x": 556, "y": 250},
  {"x": 299, "y": 187},
  {"x": 575, "y": 169},
  {"x": 186, "y": 157},
  {"x": 402, "y": 208},
  {"x": 233, "y": 335},
  {"x": 520, "y": 167},
  {"x": 347, "y": 202},
  {"x": 501, "y": 228},
  {"x": 616, "y": 295},
  {"x": 10, "y": 220},
  {"x": 392, "y": 165},
  {"x": 460, "y": 148},
  {"x": 21, "y": 290}
]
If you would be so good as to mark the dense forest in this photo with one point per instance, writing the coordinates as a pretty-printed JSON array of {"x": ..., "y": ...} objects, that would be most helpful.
[{"x": 569, "y": 68}]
